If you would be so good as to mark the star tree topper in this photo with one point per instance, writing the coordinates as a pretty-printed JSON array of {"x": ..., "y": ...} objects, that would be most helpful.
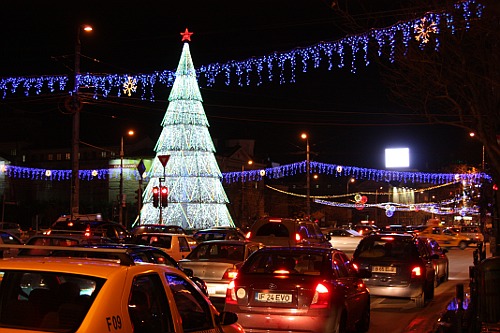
[{"x": 186, "y": 35}]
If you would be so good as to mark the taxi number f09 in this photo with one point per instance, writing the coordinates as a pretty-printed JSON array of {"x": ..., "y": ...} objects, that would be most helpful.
[{"x": 274, "y": 297}]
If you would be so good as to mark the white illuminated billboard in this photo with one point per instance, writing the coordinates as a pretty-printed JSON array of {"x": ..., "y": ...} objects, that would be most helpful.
[{"x": 397, "y": 157}]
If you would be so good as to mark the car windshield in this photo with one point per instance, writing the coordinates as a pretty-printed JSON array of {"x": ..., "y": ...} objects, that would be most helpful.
[
  {"x": 386, "y": 247},
  {"x": 285, "y": 262},
  {"x": 30, "y": 300}
]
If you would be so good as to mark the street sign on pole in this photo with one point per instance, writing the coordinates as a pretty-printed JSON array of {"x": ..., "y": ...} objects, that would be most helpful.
[
  {"x": 141, "y": 168},
  {"x": 164, "y": 159}
]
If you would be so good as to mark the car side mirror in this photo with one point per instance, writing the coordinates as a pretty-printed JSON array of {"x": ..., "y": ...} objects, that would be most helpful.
[{"x": 227, "y": 318}]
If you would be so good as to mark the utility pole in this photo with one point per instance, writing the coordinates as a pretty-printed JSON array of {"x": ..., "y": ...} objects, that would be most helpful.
[{"x": 75, "y": 106}]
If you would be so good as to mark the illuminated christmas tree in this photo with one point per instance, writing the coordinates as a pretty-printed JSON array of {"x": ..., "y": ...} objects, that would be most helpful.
[{"x": 196, "y": 198}]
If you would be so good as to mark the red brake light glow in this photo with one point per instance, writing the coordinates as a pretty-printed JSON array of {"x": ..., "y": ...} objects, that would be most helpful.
[
  {"x": 416, "y": 272},
  {"x": 387, "y": 238},
  {"x": 248, "y": 235},
  {"x": 87, "y": 232},
  {"x": 274, "y": 220},
  {"x": 320, "y": 298},
  {"x": 230, "y": 293},
  {"x": 297, "y": 237}
]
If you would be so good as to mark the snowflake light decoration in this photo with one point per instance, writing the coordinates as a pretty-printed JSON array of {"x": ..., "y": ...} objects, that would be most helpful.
[
  {"x": 424, "y": 29},
  {"x": 130, "y": 86}
]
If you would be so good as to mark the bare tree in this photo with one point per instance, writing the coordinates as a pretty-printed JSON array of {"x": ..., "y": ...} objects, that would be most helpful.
[{"x": 457, "y": 85}]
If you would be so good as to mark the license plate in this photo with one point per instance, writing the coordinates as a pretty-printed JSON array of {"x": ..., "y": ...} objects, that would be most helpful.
[
  {"x": 384, "y": 269},
  {"x": 273, "y": 297}
]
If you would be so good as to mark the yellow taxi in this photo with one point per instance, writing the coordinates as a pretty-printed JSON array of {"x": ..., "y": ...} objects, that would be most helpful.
[
  {"x": 74, "y": 294},
  {"x": 446, "y": 237}
]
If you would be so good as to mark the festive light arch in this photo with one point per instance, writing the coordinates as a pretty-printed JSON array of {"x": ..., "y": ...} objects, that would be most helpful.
[
  {"x": 281, "y": 171},
  {"x": 253, "y": 70}
]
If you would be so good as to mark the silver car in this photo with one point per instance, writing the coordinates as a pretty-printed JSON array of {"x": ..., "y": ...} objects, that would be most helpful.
[
  {"x": 344, "y": 239},
  {"x": 217, "y": 262}
]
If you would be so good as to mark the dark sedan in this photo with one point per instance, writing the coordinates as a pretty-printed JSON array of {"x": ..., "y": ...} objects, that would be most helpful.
[{"x": 301, "y": 289}]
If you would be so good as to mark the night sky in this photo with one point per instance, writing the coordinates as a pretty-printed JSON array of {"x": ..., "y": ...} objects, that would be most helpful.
[{"x": 348, "y": 116}]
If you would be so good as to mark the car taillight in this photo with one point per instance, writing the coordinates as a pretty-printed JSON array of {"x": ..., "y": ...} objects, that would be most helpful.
[
  {"x": 230, "y": 293},
  {"x": 230, "y": 274},
  {"x": 297, "y": 237},
  {"x": 87, "y": 232},
  {"x": 416, "y": 272},
  {"x": 321, "y": 297},
  {"x": 247, "y": 236}
]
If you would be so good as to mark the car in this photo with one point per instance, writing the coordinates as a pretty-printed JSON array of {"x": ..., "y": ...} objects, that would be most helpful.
[
  {"x": 59, "y": 240},
  {"x": 472, "y": 232},
  {"x": 138, "y": 253},
  {"x": 401, "y": 265},
  {"x": 344, "y": 239},
  {"x": 366, "y": 229},
  {"x": 12, "y": 228},
  {"x": 218, "y": 233},
  {"x": 175, "y": 245},
  {"x": 217, "y": 262},
  {"x": 62, "y": 294},
  {"x": 274, "y": 231},
  {"x": 300, "y": 289},
  {"x": 446, "y": 237},
  {"x": 115, "y": 231},
  {"x": 441, "y": 264},
  {"x": 164, "y": 228},
  {"x": 8, "y": 238}
]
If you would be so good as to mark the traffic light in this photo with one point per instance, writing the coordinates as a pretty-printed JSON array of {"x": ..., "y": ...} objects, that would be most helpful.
[
  {"x": 164, "y": 196},
  {"x": 156, "y": 196}
]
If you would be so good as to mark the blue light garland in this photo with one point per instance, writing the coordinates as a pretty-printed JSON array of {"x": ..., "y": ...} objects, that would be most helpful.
[
  {"x": 332, "y": 52},
  {"x": 269, "y": 173}
]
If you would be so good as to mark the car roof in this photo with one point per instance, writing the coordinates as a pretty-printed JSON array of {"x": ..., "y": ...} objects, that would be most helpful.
[
  {"x": 297, "y": 249},
  {"x": 230, "y": 242}
]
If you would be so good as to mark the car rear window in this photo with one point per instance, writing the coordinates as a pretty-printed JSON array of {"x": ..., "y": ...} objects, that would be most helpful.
[
  {"x": 386, "y": 247},
  {"x": 32, "y": 300},
  {"x": 273, "y": 229},
  {"x": 218, "y": 251},
  {"x": 212, "y": 235},
  {"x": 284, "y": 262}
]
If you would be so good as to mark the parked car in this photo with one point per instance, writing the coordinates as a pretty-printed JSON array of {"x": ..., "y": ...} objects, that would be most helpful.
[
  {"x": 401, "y": 265},
  {"x": 219, "y": 233},
  {"x": 175, "y": 245},
  {"x": 148, "y": 228},
  {"x": 217, "y": 262},
  {"x": 344, "y": 239},
  {"x": 301, "y": 289},
  {"x": 79, "y": 295},
  {"x": 446, "y": 237},
  {"x": 441, "y": 264},
  {"x": 115, "y": 231},
  {"x": 287, "y": 232},
  {"x": 12, "y": 228}
]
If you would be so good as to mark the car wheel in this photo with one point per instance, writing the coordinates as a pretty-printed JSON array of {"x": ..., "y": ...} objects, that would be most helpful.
[
  {"x": 462, "y": 245},
  {"x": 447, "y": 274},
  {"x": 363, "y": 325},
  {"x": 336, "y": 322},
  {"x": 420, "y": 300}
]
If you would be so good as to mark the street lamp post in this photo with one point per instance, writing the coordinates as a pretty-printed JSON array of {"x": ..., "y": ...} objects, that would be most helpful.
[
  {"x": 472, "y": 134},
  {"x": 121, "y": 199},
  {"x": 308, "y": 176},
  {"x": 351, "y": 180},
  {"x": 75, "y": 107}
]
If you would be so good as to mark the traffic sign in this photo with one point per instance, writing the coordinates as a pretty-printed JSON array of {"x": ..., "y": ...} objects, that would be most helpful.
[
  {"x": 163, "y": 159},
  {"x": 141, "y": 167}
]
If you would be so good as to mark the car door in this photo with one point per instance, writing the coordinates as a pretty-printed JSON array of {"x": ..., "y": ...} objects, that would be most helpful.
[{"x": 350, "y": 282}]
